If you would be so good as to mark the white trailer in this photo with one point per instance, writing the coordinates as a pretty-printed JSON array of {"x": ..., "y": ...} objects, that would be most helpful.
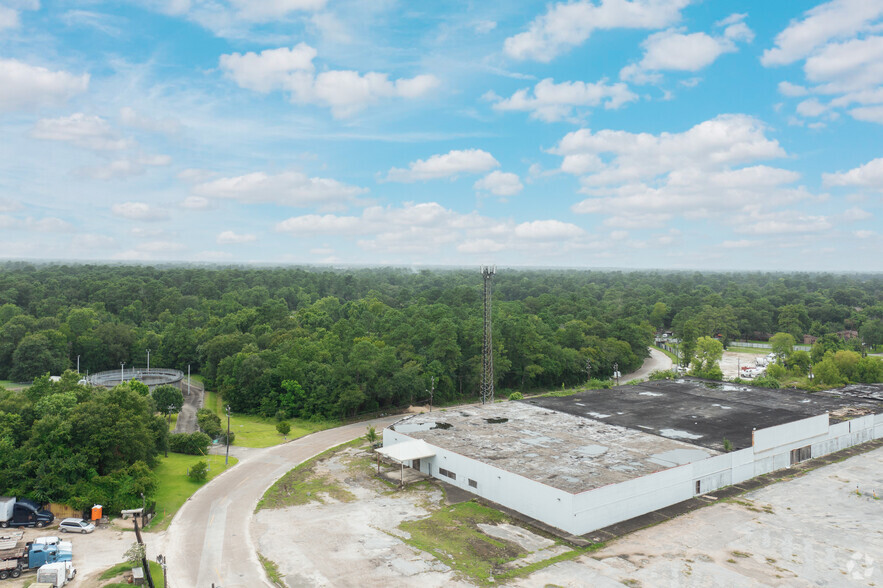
[
  {"x": 56, "y": 574},
  {"x": 7, "y": 505}
]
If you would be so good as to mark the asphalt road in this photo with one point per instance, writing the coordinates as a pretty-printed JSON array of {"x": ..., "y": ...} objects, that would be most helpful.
[
  {"x": 657, "y": 361},
  {"x": 209, "y": 541}
]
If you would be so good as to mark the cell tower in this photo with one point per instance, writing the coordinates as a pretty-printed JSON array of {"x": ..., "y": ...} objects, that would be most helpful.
[{"x": 487, "y": 351}]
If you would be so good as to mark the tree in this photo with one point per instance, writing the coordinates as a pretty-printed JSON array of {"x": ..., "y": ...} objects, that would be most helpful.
[
  {"x": 782, "y": 345},
  {"x": 283, "y": 428},
  {"x": 168, "y": 400},
  {"x": 705, "y": 362},
  {"x": 872, "y": 332},
  {"x": 371, "y": 436},
  {"x": 199, "y": 471}
]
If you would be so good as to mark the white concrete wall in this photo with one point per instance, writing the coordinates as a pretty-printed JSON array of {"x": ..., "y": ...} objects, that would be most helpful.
[
  {"x": 532, "y": 498},
  {"x": 586, "y": 511}
]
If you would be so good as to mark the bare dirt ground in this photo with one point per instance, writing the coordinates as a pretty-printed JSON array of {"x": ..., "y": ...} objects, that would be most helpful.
[{"x": 810, "y": 531}]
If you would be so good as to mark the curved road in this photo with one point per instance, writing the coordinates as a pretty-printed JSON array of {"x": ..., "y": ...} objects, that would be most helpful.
[
  {"x": 209, "y": 541},
  {"x": 657, "y": 361}
]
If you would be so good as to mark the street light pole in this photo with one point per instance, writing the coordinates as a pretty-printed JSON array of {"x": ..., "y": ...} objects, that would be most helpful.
[
  {"x": 78, "y": 365},
  {"x": 122, "y": 372},
  {"x": 227, "y": 458},
  {"x": 431, "y": 391},
  {"x": 148, "y": 361},
  {"x": 188, "y": 379}
]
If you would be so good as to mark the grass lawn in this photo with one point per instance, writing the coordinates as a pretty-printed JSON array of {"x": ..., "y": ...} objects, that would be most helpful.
[
  {"x": 257, "y": 431},
  {"x": 754, "y": 350},
  {"x": 174, "y": 422},
  {"x": 175, "y": 487},
  {"x": 155, "y": 573},
  {"x": 668, "y": 354}
]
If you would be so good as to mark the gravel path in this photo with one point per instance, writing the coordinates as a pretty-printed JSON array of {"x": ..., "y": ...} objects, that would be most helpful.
[{"x": 187, "y": 416}]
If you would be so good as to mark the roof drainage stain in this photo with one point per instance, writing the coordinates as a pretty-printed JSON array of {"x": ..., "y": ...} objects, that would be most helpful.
[{"x": 676, "y": 434}]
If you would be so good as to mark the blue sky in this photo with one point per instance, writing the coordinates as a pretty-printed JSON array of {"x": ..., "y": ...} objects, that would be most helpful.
[{"x": 607, "y": 133}]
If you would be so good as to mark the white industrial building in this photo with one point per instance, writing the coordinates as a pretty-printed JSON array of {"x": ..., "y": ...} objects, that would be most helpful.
[{"x": 583, "y": 462}]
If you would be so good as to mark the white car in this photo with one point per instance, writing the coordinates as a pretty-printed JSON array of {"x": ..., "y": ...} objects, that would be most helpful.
[{"x": 75, "y": 526}]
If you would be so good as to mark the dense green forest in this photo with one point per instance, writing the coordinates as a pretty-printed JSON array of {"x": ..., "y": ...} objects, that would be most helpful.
[
  {"x": 335, "y": 342},
  {"x": 321, "y": 343}
]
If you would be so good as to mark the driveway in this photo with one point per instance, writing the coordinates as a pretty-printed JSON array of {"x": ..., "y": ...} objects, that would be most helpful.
[
  {"x": 657, "y": 361},
  {"x": 209, "y": 541}
]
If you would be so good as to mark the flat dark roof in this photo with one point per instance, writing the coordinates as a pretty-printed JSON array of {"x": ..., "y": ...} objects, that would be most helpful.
[{"x": 705, "y": 413}]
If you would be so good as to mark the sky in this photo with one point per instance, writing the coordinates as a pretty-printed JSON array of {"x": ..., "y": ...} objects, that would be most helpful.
[{"x": 670, "y": 134}]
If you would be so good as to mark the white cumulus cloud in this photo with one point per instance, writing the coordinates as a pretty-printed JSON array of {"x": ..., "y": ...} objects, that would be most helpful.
[
  {"x": 674, "y": 50},
  {"x": 345, "y": 92},
  {"x": 82, "y": 130},
  {"x": 552, "y": 102},
  {"x": 500, "y": 183},
  {"x": 453, "y": 163},
  {"x": 566, "y": 25},
  {"x": 869, "y": 175},
  {"x": 286, "y": 189},
  {"x": 28, "y": 87}
]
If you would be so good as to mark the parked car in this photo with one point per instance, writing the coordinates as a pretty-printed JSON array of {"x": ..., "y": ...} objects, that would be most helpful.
[{"x": 75, "y": 526}]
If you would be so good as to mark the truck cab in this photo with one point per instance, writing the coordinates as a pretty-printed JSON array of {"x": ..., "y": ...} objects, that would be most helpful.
[{"x": 27, "y": 513}]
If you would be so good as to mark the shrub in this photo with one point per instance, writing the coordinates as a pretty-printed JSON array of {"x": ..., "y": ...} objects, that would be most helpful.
[
  {"x": 199, "y": 471},
  {"x": 662, "y": 375},
  {"x": 209, "y": 422},
  {"x": 283, "y": 427},
  {"x": 516, "y": 396},
  {"x": 222, "y": 438},
  {"x": 766, "y": 381},
  {"x": 189, "y": 443}
]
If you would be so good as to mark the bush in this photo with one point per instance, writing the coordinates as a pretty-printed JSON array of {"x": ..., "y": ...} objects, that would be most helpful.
[
  {"x": 222, "y": 438},
  {"x": 199, "y": 471},
  {"x": 209, "y": 422},
  {"x": 189, "y": 443},
  {"x": 662, "y": 375},
  {"x": 516, "y": 396},
  {"x": 766, "y": 381},
  {"x": 283, "y": 427}
]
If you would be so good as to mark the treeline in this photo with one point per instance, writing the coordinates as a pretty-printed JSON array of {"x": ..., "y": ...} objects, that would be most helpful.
[
  {"x": 63, "y": 442},
  {"x": 329, "y": 342}
]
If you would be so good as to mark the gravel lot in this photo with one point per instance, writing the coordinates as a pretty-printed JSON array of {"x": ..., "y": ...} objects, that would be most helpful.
[{"x": 93, "y": 552}]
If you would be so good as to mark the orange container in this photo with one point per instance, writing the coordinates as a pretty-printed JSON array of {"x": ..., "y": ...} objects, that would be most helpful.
[{"x": 96, "y": 512}]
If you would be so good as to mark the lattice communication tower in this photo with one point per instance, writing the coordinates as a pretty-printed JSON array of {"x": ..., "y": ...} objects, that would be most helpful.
[{"x": 487, "y": 351}]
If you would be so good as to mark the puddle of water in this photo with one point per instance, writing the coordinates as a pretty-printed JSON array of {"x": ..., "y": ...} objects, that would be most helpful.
[{"x": 676, "y": 434}]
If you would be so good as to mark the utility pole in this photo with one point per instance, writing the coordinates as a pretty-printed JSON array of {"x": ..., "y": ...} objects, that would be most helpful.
[
  {"x": 588, "y": 371},
  {"x": 431, "y": 391},
  {"x": 616, "y": 372},
  {"x": 148, "y": 361},
  {"x": 227, "y": 459},
  {"x": 487, "y": 356},
  {"x": 188, "y": 379},
  {"x": 122, "y": 372},
  {"x": 78, "y": 365}
]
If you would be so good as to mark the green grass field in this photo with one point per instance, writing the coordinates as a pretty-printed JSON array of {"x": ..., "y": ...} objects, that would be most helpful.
[
  {"x": 175, "y": 487},
  {"x": 256, "y": 431},
  {"x": 155, "y": 573}
]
